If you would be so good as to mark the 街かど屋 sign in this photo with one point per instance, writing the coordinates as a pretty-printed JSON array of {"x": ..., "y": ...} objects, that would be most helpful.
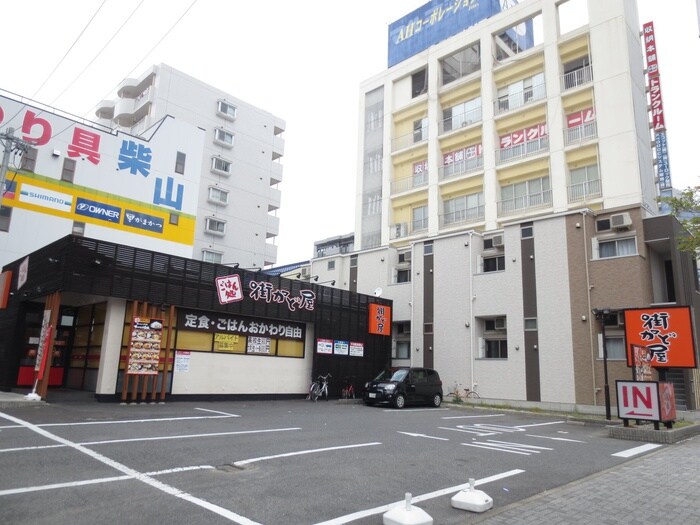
[{"x": 667, "y": 334}]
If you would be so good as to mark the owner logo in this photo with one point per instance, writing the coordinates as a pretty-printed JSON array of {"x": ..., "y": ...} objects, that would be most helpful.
[{"x": 98, "y": 210}]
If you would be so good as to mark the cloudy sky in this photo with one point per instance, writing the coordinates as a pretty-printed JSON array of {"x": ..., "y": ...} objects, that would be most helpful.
[{"x": 282, "y": 57}]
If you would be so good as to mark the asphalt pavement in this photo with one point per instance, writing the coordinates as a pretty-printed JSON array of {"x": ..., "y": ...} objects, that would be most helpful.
[{"x": 662, "y": 486}]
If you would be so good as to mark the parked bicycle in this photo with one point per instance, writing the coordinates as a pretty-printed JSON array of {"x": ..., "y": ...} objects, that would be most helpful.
[
  {"x": 319, "y": 388},
  {"x": 457, "y": 394},
  {"x": 348, "y": 391}
]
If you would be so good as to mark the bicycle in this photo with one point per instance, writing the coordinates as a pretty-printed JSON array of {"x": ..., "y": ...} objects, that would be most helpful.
[
  {"x": 319, "y": 388},
  {"x": 457, "y": 394},
  {"x": 348, "y": 391}
]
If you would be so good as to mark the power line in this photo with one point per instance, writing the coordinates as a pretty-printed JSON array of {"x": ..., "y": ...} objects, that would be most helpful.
[
  {"x": 98, "y": 53},
  {"x": 69, "y": 49}
]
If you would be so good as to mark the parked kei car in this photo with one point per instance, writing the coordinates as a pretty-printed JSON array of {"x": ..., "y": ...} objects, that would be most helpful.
[{"x": 403, "y": 386}]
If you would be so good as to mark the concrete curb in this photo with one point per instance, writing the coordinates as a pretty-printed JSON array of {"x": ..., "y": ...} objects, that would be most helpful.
[{"x": 665, "y": 437}]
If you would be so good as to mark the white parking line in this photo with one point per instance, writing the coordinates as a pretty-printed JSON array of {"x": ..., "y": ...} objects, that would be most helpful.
[
  {"x": 300, "y": 453},
  {"x": 474, "y": 417},
  {"x": 68, "y": 484},
  {"x": 144, "y": 478},
  {"x": 417, "y": 499},
  {"x": 155, "y": 438},
  {"x": 634, "y": 451},
  {"x": 122, "y": 421},
  {"x": 217, "y": 412}
]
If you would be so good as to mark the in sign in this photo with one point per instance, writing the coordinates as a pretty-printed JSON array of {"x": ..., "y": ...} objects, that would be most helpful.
[{"x": 638, "y": 400}]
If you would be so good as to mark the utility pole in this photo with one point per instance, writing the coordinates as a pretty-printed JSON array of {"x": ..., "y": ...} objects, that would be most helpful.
[{"x": 10, "y": 143}]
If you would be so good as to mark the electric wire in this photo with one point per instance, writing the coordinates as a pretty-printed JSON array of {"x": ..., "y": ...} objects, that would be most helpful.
[
  {"x": 70, "y": 48},
  {"x": 149, "y": 51},
  {"x": 98, "y": 53}
]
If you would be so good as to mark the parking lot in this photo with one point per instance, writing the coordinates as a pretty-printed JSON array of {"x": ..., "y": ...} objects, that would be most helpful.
[{"x": 280, "y": 462}]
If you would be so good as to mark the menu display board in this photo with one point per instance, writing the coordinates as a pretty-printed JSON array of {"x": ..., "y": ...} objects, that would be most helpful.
[{"x": 144, "y": 346}]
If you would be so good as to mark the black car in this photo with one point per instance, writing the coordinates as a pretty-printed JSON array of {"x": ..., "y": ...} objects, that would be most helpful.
[{"x": 402, "y": 386}]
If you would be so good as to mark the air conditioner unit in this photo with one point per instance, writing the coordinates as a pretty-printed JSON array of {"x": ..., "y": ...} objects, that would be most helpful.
[
  {"x": 497, "y": 241},
  {"x": 499, "y": 323},
  {"x": 401, "y": 230},
  {"x": 304, "y": 272},
  {"x": 620, "y": 221}
]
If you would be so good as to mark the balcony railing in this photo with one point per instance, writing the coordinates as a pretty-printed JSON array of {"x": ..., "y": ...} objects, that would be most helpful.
[
  {"x": 520, "y": 151},
  {"x": 576, "y": 78},
  {"x": 580, "y": 133},
  {"x": 520, "y": 99},
  {"x": 516, "y": 204},
  {"x": 460, "y": 120},
  {"x": 585, "y": 190},
  {"x": 409, "y": 139},
  {"x": 409, "y": 183},
  {"x": 458, "y": 217},
  {"x": 457, "y": 169}
]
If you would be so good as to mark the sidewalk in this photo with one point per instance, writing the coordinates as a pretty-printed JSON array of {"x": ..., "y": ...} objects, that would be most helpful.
[{"x": 660, "y": 487}]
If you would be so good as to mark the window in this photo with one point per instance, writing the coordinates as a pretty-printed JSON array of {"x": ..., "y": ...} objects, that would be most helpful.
[
  {"x": 212, "y": 257},
  {"x": 526, "y": 194},
  {"x": 331, "y": 265},
  {"x": 617, "y": 248},
  {"x": 402, "y": 350},
  {"x": 494, "y": 264},
  {"x": 68, "y": 171},
  {"x": 602, "y": 225},
  {"x": 518, "y": 38},
  {"x": 353, "y": 261},
  {"x": 403, "y": 276},
  {"x": 461, "y": 115},
  {"x": 420, "y": 218},
  {"x": 614, "y": 345},
  {"x": 226, "y": 110},
  {"x": 180, "y": 162},
  {"x": 496, "y": 349},
  {"x": 420, "y": 130},
  {"x": 419, "y": 83},
  {"x": 522, "y": 92},
  {"x": 585, "y": 181},
  {"x": 461, "y": 63},
  {"x": 5, "y": 216},
  {"x": 217, "y": 195},
  {"x": 463, "y": 208},
  {"x": 223, "y": 137},
  {"x": 221, "y": 165},
  {"x": 215, "y": 226},
  {"x": 28, "y": 162},
  {"x": 526, "y": 231},
  {"x": 428, "y": 248},
  {"x": 530, "y": 324}
]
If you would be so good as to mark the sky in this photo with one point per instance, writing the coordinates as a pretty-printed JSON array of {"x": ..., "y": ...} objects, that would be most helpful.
[{"x": 302, "y": 61}]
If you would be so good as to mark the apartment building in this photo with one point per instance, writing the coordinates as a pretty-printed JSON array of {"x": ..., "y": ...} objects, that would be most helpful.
[
  {"x": 241, "y": 165},
  {"x": 507, "y": 195}
]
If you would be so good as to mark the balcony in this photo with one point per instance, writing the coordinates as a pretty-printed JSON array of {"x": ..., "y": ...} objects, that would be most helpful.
[
  {"x": 579, "y": 134},
  {"x": 526, "y": 202},
  {"x": 459, "y": 121},
  {"x": 409, "y": 183},
  {"x": 417, "y": 136},
  {"x": 576, "y": 78},
  {"x": 459, "y": 217},
  {"x": 521, "y": 151},
  {"x": 583, "y": 191},
  {"x": 463, "y": 167},
  {"x": 521, "y": 99}
]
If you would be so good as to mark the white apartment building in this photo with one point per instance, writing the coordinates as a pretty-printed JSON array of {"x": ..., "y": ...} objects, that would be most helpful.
[
  {"x": 505, "y": 190},
  {"x": 241, "y": 162}
]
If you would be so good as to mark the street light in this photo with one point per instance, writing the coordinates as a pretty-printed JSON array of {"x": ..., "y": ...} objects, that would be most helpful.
[{"x": 600, "y": 314}]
